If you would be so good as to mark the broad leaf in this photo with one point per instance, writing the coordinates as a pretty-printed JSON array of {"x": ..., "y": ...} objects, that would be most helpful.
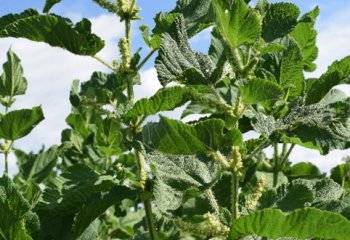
[
  {"x": 337, "y": 73},
  {"x": 165, "y": 99},
  {"x": 108, "y": 137},
  {"x": 19, "y": 123},
  {"x": 178, "y": 62},
  {"x": 12, "y": 81},
  {"x": 37, "y": 167},
  {"x": 279, "y": 20},
  {"x": 52, "y": 29},
  {"x": 176, "y": 137},
  {"x": 238, "y": 23},
  {"x": 260, "y": 90},
  {"x": 180, "y": 177},
  {"x": 49, "y": 4},
  {"x": 16, "y": 219},
  {"x": 303, "y": 223},
  {"x": 303, "y": 170}
]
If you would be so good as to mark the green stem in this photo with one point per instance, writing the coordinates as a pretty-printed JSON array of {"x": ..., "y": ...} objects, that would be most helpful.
[
  {"x": 149, "y": 55},
  {"x": 104, "y": 63},
  {"x": 275, "y": 165},
  {"x": 6, "y": 163},
  {"x": 150, "y": 221},
  {"x": 212, "y": 200},
  {"x": 130, "y": 85},
  {"x": 286, "y": 155},
  {"x": 234, "y": 196},
  {"x": 257, "y": 150}
]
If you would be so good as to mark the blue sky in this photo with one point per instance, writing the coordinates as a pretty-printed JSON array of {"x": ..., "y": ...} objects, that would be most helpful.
[{"x": 50, "y": 71}]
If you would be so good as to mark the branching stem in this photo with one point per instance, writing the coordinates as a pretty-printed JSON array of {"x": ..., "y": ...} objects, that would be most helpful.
[{"x": 104, "y": 62}]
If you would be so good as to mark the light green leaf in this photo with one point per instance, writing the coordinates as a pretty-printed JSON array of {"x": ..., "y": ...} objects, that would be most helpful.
[
  {"x": 279, "y": 20},
  {"x": 108, "y": 137},
  {"x": 52, "y": 29},
  {"x": 291, "y": 72},
  {"x": 16, "y": 219},
  {"x": 37, "y": 167},
  {"x": 19, "y": 123},
  {"x": 238, "y": 23},
  {"x": 260, "y": 90},
  {"x": 12, "y": 81},
  {"x": 178, "y": 62},
  {"x": 165, "y": 99},
  {"x": 337, "y": 73},
  {"x": 303, "y": 223},
  {"x": 176, "y": 137},
  {"x": 304, "y": 170},
  {"x": 49, "y": 4},
  {"x": 178, "y": 176}
]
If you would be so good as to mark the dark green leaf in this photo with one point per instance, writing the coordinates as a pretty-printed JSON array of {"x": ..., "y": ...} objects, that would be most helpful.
[
  {"x": 279, "y": 20},
  {"x": 12, "y": 81},
  {"x": 176, "y": 137},
  {"x": 49, "y": 4},
  {"x": 302, "y": 223},
  {"x": 237, "y": 22},
  {"x": 52, "y": 29},
  {"x": 177, "y": 62},
  {"x": 19, "y": 123}
]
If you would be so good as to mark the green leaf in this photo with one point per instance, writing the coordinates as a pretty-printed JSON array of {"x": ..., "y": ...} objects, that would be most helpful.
[
  {"x": 178, "y": 177},
  {"x": 108, "y": 137},
  {"x": 12, "y": 81},
  {"x": 37, "y": 167},
  {"x": 237, "y": 22},
  {"x": 165, "y": 99},
  {"x": 341, "y": 174},
  {"x": 49, "y": 4},
  {"x": 16, "y": 219},
  {"x": 279, "y": 20},
  {"x": 305, "y": 35},
  {"x": 19, "y": 123},
  {"x": 291, "y": 72},
  {"x": 304, "y": 170},
  {"x": 337, "y": 73},
  {"x": 303, "y": 223},
  {"x": 52, "y": 29},
  {"x": 176, "y": 137},
  {"x": 260, "y": 90},
  {"x": 178, "y": 62}
]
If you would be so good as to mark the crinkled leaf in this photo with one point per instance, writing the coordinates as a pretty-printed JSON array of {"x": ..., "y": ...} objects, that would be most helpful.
[
  {"x": 176, "y": 137},
  {"x": 259, "y": 91},
  {"x": 37, "y": 167},
  {"x": 238, "y": 23},
  {"x": 337, "y": 73},
  {"x": 165, "y": 99},
  {"x": 178, "y": 62},
  {"x": 176, "y": 175},
  {"x": 302, "y": 223},
  {"x": 52, "y": 29},
  {"x": 279, "y": 20},
  {"x": 12, "y": 81},
  {"x": 19, "y": 123},
  {"x": 49, "y": 4},
  {"x": 17, "y": 221},
  {"x": 108, "y": 137}
]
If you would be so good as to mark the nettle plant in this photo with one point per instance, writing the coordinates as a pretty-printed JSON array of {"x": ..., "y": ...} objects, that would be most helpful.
[{"x": 117, "y": 176}]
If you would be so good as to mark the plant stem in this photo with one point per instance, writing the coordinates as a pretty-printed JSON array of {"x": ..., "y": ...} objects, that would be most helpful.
[
  {"x": 149, "y": 55},
  {"x": 234, "y": 196},
  {"x": 286, "y": 155},
  {"x": 275, "y": 165},
  {"x": 150, "y": 222},
  {"x": 6, "y": 163},
  {"x": 257, "y": 150},
  {"x": 212, "y": 200},
  {"x": 130, "y": 84},
  {"x": 104, "y": 62}
]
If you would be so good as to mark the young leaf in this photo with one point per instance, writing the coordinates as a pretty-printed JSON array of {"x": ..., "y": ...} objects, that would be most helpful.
[
  {"x": 302, "y": 223},
  {"x": 19, "y": 123},
  {"x": 52, "y": 29},
  {"x": 279, "y": 20},
  {"x": 12, "y": 81},
  {"x": 238, "y": 23},
  {"x": 337, "y": 73},
  {"x": 178, "y": 62},
  {"x": 49, "y": 4},
  {"x": 16, "y": 219},
  {"x": 176, "y": 137},
  {"x": 259, "y": 91},
  {"x": 177, "y": 174},
  {"x": 165, "y": 99}
]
